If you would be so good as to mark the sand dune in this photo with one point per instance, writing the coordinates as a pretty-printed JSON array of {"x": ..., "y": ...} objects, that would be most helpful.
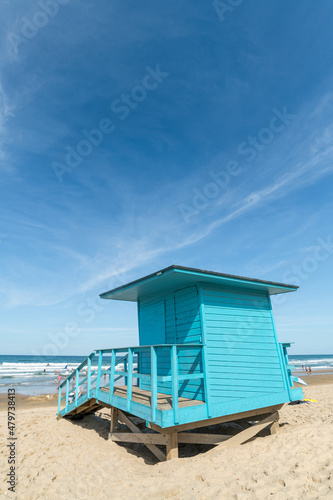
[{"x": 74, "y": 460}]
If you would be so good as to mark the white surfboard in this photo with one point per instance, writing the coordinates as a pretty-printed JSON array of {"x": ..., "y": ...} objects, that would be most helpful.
[{"x": 300, "y": 381}]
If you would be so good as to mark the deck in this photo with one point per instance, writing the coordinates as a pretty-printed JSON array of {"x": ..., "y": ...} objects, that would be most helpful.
[
  {"x": 143, "y": 397},
  {"x": 169, "y": 414},
  {"x": 140, "y": 405},
  {"x": 139, "y": 393}
]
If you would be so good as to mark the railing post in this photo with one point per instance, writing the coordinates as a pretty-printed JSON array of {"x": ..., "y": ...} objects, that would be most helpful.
[
  {"x": 129, "y": 379},
  {"x": 174, "y": 378},
  {"x": 125, "y": 369},
  {"x": 59, "y": 398},
  {"x": 99, "y": 371},
  {"x": 67, "y": 393},
  {"x": 89, "y": 377},
  {"x": 77, "y": 374},
  {"x": 112, "y": 375},
  {"x": 153, "y": 377}
]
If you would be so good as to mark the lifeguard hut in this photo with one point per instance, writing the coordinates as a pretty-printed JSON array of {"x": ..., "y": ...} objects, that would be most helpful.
[{"x": 208, "y": 354}]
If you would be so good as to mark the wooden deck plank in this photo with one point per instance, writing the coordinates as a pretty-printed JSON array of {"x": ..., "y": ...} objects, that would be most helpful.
[{"x": 164, "y": 401}]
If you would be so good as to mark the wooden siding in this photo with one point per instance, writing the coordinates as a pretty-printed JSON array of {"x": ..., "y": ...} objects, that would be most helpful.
[
  {"x": 242, "y": 352},
  {"x": 182, "y": 326},
  {"x": 188, "y": 330}
]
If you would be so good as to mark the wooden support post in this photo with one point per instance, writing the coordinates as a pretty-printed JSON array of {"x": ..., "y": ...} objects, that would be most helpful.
[
  {"x": 274, "y": 427},
  {"x": 156, "y": 451},
  {"x": 172, "y": 445},
  {"x": 114, "y": 421}
]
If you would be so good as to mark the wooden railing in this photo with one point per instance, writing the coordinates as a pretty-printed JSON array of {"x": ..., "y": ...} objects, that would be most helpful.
[
  {"x": 131, "y": 370},
  {"x": 286, "y": 366}
]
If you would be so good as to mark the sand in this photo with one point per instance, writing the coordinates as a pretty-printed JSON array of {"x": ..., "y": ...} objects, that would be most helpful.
[{"x": 74, "y": 460}]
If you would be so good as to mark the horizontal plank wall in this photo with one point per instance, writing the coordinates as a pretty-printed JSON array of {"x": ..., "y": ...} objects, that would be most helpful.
[
  {"x": 182, "y": 326},
  {"x": 188, "y": 330},
  {"x": 242, "y": 355},
  {"x": 153, "y": 312}
]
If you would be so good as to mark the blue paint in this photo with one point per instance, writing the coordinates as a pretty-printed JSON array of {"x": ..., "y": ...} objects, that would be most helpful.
[
  {"x": 89, "y": 375},
  {"x": 153, "y": 358},
  {"x": 175, "y": 379},
  {"x": 203, "y": 336},
  {"x": 129, "y": 379},
  {"x": 112, "y": 376}
]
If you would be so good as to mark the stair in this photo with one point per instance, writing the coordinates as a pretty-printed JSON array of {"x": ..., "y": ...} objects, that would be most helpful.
[{"x": 90, "y": 406}]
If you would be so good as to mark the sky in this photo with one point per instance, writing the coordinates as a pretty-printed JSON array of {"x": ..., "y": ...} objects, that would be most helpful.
[{"x": 135, "y": 135}]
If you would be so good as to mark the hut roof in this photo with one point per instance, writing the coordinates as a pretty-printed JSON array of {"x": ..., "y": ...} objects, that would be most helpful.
[{"x": 176, "y": 277}]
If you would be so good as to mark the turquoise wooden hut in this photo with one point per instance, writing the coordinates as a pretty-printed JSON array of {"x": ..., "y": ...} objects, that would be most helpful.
[{"x": 208, "y": 353}]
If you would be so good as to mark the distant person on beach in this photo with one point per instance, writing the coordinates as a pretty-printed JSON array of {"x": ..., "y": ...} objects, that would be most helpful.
[
  {"x": 59, "y": 379},
  {"x": 306, "y": 370},
  {"x": 310, "y": 372}
]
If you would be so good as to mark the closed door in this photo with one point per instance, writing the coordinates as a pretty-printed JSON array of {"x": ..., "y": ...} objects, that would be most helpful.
[{"x": 152, "y": 324}]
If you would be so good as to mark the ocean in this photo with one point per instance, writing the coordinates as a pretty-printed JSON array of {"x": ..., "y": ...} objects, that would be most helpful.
[{"x": 34, "y": 375}]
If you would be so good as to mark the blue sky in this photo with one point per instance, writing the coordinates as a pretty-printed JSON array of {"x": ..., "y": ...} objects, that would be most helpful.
[{"x": 214, "y": 150}]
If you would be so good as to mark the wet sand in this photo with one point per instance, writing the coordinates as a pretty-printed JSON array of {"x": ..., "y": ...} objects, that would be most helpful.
[
  {"x": 23, "y": 402},
  {"x": 315, "y": 379}
]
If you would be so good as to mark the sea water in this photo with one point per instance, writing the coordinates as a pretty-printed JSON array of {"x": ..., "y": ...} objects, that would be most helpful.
[
  {"x": 320, "y": 362},
  {"x": 33, "y": 375}
]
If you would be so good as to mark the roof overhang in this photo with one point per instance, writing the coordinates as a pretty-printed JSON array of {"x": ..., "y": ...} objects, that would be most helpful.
[{"x": 176, "y": 277}]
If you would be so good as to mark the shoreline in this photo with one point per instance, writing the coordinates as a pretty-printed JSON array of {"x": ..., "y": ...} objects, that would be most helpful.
[
  {"x": 314, "y": 372},
  {"x": 24, "y": 402}
]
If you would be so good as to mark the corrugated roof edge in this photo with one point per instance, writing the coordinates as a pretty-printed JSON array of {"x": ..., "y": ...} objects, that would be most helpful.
[{"x": 193, "y": 270}]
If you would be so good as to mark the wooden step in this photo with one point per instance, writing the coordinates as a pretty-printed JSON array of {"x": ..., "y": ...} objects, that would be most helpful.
[{"x": 87, "y": 407}]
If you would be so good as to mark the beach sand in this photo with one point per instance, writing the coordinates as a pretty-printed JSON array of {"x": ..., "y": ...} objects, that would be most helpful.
[{"x": 74, "y": 460}]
